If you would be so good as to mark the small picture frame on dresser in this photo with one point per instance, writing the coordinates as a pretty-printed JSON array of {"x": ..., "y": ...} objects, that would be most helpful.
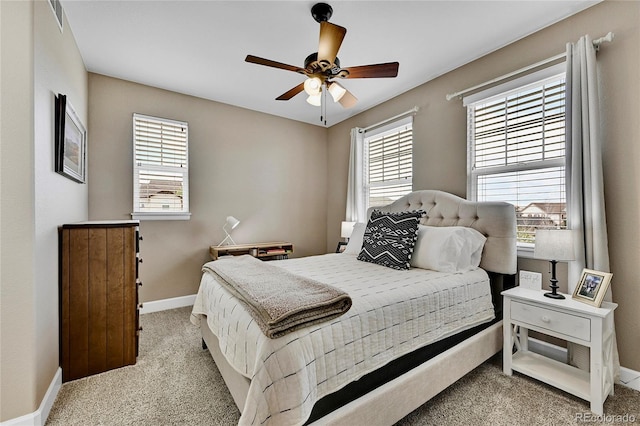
[
  {"x": 341, "y": 246},
  {"x": 592, "y": 287}
]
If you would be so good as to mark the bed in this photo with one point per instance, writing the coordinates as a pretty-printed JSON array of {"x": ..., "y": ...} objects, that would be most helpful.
[{"x": 409, "y": 334}]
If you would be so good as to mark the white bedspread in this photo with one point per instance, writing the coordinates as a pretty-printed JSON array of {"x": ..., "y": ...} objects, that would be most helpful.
[{"x": 393, "y": 313}]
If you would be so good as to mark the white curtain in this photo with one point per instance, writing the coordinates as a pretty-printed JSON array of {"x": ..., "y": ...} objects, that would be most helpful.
[
  {"x": 585, "y": 184},
  {"x": 355, "y": 189}
]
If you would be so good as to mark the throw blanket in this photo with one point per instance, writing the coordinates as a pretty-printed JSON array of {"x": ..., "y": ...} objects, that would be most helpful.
[{"x": 279, "y": 301}]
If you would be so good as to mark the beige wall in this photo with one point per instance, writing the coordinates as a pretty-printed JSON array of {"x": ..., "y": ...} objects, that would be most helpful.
[
  {"x": 38, "y": 61},
  {"x": 17, "y": 355},
  {"x": 440, "y": 141},
  {"x": 268, "y": 172}
]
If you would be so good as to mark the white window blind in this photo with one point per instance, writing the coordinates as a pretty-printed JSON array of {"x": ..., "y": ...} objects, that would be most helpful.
[
  {"x": 517, "y": 154},
  {"x": 160, "y": 168},
  {"x": 388, "y": 155}
]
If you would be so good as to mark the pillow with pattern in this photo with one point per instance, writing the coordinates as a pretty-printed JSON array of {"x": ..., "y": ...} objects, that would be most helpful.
[{"x": 389, "y": 238}]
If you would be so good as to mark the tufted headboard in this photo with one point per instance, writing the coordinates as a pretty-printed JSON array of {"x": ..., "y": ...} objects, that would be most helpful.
[{"x": 495, "y": 220}]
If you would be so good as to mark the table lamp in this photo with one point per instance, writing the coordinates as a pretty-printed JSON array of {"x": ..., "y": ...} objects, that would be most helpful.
[
  {"x": 231, "y": 223},
  {"x": 554, "y": 245},
  {"x": 347, "y": 229}
]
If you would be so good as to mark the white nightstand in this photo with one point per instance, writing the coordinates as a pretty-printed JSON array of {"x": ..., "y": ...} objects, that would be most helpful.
[{"x": 565, "y": 319}]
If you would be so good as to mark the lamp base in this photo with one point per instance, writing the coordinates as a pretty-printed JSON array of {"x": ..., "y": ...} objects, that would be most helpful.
[
  {"x": 554, "y": 295},
  {"x": 554, "y": 283}
]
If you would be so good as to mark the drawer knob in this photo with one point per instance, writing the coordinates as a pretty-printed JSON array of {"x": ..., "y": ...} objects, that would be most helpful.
[
  {"x": 140, "y": 237},
  {"x": 139, "y": 260},
  {"x": 546, "y": 318}
]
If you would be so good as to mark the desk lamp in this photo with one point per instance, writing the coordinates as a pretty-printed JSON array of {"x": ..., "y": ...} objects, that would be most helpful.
[{"x": 231, "y": 223}]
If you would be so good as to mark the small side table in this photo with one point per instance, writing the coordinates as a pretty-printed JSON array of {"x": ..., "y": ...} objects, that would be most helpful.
[
  {"x": 263, "y": 251},
  {"x": 566, "y": 319}
]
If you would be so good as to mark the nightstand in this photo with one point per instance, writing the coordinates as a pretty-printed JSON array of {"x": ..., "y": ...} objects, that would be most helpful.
[{"x": 568, "y": 320}]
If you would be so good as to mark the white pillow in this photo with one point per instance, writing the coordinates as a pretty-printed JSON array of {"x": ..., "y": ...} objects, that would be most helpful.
[
  {"x": 355, "y": 241},
  {"x": 447, "y": 248}
]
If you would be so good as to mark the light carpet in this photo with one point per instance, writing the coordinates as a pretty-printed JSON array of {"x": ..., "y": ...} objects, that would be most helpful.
[{"x": 175, "y": 382}]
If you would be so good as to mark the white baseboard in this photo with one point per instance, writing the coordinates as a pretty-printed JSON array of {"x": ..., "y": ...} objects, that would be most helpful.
[
  {"x": 628, "y": 377},
  {"x": 165, "y": 304},
  {"x": 39, "y": 417},
  {"x": 548, "y": 349}
]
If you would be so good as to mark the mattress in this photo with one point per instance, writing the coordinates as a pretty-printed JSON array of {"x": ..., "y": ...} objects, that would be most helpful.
[{"x": 393, "y": 313}]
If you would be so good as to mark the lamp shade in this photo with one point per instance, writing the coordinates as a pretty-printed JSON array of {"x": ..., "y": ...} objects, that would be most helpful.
[
  {"x": 315, "y": 100},
  {"x": 232, "y": 222},
  {"x": 346, "y": 229},
  {"x": 337, "y": 91},
  {"x": 554, "y": 244},
  {"x": 312, "y": 86}
]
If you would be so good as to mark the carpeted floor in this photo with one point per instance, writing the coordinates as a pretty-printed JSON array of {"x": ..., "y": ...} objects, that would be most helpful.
[{"x": 175, "y": 382}]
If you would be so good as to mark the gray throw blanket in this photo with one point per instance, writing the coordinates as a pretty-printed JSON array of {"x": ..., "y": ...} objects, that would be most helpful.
[{"x": 278, "y": 300}]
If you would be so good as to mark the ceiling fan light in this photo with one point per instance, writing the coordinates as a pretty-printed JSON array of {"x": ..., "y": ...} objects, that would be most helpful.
[
  {"x": 315, "y": 100},
  {"x": 312, "y": 86},
  {"x": 337, "y": 91}
]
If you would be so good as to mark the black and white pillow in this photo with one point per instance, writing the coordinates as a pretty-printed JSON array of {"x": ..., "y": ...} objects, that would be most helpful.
[{"x": 389, "y": 238}]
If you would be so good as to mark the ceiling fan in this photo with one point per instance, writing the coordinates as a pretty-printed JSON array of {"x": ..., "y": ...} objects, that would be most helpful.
[{"x": 323, "y": 67}]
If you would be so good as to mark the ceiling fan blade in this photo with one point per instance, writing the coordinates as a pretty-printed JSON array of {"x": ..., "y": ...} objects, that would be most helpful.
[
  {"x": 291, "y": 93},
  {"x": 269, "y": 63},
  {"x": 331, "y": 37},
  {"x": 348, "y": 100},
  {"x": 389, "y": 69}
]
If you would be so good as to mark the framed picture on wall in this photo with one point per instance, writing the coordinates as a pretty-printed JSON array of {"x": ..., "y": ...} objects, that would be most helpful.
[
  {"x": 70, "y": 141},
  {"x": 592, "y": 287}
]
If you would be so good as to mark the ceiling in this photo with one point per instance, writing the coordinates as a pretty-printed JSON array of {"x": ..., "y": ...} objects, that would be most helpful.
[{"x": 198, "y": 47}]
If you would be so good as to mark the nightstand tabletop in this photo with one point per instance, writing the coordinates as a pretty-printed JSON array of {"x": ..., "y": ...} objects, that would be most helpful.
[{"x": 568, "y": 304}]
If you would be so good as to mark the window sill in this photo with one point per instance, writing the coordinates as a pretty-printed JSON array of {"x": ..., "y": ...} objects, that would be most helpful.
[
  {"x": 526, "y": 251},
  {"x": 161, "y": 216}
]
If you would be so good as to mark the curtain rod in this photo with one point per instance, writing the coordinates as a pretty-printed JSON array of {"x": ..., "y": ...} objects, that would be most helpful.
[
  {"x": 412, "y": 111},
  {"x": 596, "y": 44}
]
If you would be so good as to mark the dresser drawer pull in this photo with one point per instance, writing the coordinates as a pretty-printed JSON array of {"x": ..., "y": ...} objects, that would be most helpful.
[
  {"x": 139, "y": 260},
  {"x": 140, "y": 306},
  {"x": 546, "y": 319}
]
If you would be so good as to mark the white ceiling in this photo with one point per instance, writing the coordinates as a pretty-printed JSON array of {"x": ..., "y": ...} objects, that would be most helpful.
[{"x": 198, "y": 47}]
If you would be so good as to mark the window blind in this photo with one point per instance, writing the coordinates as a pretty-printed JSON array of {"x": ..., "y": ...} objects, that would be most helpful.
[
  {"x": 160, "y": 165},
  {"x": 389, "y": 164},
  {"x": 517, "y": 154}
]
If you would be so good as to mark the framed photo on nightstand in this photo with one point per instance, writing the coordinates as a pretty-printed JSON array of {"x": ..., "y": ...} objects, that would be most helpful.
[
  {"x": 592, "y": 287},
  {"x": 341, "y": 246}
]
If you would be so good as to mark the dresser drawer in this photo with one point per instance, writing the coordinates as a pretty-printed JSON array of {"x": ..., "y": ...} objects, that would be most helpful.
[{"x": 559, "y": 322}]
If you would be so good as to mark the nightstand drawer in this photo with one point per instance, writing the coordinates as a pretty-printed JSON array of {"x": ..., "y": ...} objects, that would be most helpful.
[{"x": 569, "y": 325}]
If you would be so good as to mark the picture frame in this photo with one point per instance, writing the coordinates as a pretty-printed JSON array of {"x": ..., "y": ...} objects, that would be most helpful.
[
  {"x": 341, "y": 246},
  {"x": 592, "y": 287},
  {"x": 70, "y": 141}
]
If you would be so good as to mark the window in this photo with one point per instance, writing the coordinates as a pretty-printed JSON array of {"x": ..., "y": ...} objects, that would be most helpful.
[
  {"x": 160, "y": 168},
  {"x": 388, "y": 163},
  {"x": 516, "y": 150}
]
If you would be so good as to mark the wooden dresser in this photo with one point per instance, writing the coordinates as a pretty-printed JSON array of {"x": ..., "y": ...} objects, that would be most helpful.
[{"x": 99, "y": 317}]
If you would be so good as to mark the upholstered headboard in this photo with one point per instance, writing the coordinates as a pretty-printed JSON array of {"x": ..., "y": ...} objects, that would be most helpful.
[{"x": 495, "y": 220}]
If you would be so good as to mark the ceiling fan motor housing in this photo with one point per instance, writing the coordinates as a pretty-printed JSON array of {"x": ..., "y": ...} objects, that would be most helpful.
[
  {"x": 321, "y": 12},
  {"x": 312, "y": 66}
]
